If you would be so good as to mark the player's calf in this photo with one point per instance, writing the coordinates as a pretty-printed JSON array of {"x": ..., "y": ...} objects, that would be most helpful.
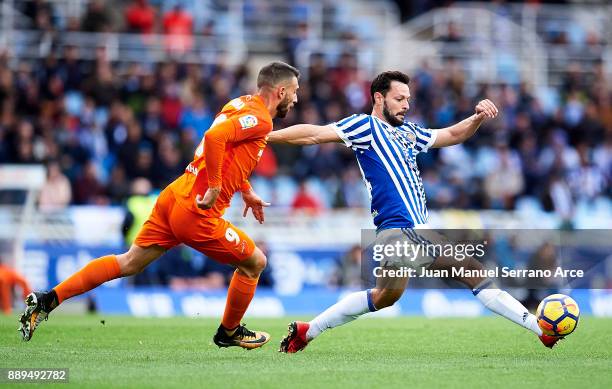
[
  {"x": 239, "y": 295},
  {"x": 383, "y": 298}
]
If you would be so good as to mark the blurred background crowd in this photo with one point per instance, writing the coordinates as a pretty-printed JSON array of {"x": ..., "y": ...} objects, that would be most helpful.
[
  {"x": 107, "y": 129},
  {"x": 100, "y": 124}
]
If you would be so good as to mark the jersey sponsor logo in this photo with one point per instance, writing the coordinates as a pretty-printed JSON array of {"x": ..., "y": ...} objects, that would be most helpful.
[
  {"x": 248, "y": 121},
  {"x": 237, "y": 103}
]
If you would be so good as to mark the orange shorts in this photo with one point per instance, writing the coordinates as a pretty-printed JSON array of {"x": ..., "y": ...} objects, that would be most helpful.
[{"x": 170, "y": 225}]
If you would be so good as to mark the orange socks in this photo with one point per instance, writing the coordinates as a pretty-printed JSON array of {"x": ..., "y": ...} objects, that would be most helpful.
[
  {"x": 239, "y": 295},
  {"x": 93, "y": 274}
]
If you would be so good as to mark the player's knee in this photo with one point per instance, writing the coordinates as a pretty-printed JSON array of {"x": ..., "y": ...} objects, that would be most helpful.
[
  {"x": 255, "y": 265},
  {"x": 471, "y": 266},
  {"x": 129, "y": 264},
  {"x": 383, "y": 298},
  {"x": 261, "y": 263}
]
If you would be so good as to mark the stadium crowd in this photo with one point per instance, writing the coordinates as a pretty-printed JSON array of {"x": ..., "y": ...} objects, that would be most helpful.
[{"x": 100, "y": 124}]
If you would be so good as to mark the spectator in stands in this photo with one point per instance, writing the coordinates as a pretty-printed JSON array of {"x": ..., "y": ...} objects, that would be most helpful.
[
  {"x": 56, "y": 193},
  {"x": 116, "y": 128},
  {"x": 97, "y": 17},
  {"x": 140, "y": 17},
  {"x": 138, "y": 208},
  {"x": 196, "y": 118},
  {"x": 357, "y": 91},
  {"x": 296, "y": 34},
  {"x": 128, "y": 151},
  {"x": 168, "y": 163},
  {"x": 87, "y": 187},
  {"x": 71, "y": 69},
  {"x": 143, "y": 166},
  {"x": 178, "y": 26},
  {"x": 267, "y": 166},
  {"x": 38, "y": 10},
  {"x": 151, "y": 119},
  {"x": 171, "y": 106},
  {"x": 587, "y": 180},
  {"x": 504, "y": 183},
  {"x": 129, "y": 88},
  {"x": 350, "y": 271},
  {"x": 118, "y": 187},
  {"x": 558, "y": 198},
  {"x": 102, "y": 86},
  {"x": 352, "y": 193},
  {"x": 305, "y": 201},
  {"x": 340, "y": 75}
]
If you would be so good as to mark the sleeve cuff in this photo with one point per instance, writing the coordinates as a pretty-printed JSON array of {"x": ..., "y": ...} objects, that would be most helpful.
[
  {"x": 214, "y": 183},
  {"x": 432, "y": 140},
  {"x": 341, "y": 135},
  {"x": 246, "y": 186}
]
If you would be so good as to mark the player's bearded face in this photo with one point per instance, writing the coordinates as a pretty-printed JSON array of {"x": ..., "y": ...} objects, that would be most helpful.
[
  {"x": 283, "y": 107},
  {"x": 289, "y": 98},
  {"x": 393, "y": 117}
]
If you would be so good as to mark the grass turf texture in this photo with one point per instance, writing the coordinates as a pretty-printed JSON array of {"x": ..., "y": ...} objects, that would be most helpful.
[{"x": 368, "y": 353}]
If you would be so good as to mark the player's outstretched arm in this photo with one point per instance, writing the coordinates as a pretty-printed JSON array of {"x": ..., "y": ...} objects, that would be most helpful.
[
  {"x": 465, "y": 129},
  {"x": 304, "y": 134}
]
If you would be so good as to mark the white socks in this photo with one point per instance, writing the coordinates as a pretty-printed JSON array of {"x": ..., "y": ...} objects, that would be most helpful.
[
  {"x": 344, "y": 311},
  {"x": 356, "y": 304},
  {"x": 504, "y": 304}
]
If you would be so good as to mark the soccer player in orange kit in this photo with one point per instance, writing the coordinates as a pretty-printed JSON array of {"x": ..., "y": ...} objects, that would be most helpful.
[{"x": 190, "y": 211}]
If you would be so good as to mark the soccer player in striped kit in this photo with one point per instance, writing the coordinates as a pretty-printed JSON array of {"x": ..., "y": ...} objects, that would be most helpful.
[{"x": 386, "y": 147}]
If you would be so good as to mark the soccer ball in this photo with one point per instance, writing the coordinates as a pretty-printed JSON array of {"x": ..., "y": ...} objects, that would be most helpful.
[{"x": 558, "y": 315}]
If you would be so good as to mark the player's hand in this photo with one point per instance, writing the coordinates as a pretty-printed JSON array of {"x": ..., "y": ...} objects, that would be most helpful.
[
  {"x": 209, "y": 198},
  {"x": 254, "y": 202},
  {"x": 485, "y": 109}
]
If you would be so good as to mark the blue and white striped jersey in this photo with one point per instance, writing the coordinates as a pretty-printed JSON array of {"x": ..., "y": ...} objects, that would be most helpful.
[{"x": 387, "y": 159}]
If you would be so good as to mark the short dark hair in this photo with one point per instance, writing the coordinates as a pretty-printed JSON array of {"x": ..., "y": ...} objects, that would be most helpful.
[
  {"x": 382, "y": 82},
  {"x": 275, "y": 73}
]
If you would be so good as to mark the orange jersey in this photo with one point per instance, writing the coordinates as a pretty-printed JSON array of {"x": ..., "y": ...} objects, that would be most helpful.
[{"x": 227, "y": 155}]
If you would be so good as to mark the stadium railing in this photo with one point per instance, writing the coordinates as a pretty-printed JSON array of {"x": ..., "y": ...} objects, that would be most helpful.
[
  {"x": 123, "y": 47},
  {"x": 509, "y": 43},
  {"x": 240, "y": 26},
  {"x": 282, "y": 226}
]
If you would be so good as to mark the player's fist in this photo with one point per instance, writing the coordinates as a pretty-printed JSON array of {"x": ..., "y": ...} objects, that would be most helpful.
[
  {"x": 485, "y": 109},
  {"x": 209, "y": 198}
]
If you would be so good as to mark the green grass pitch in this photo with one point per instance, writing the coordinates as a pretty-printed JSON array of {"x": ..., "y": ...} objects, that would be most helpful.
[{"x": 369, "y": 353}]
